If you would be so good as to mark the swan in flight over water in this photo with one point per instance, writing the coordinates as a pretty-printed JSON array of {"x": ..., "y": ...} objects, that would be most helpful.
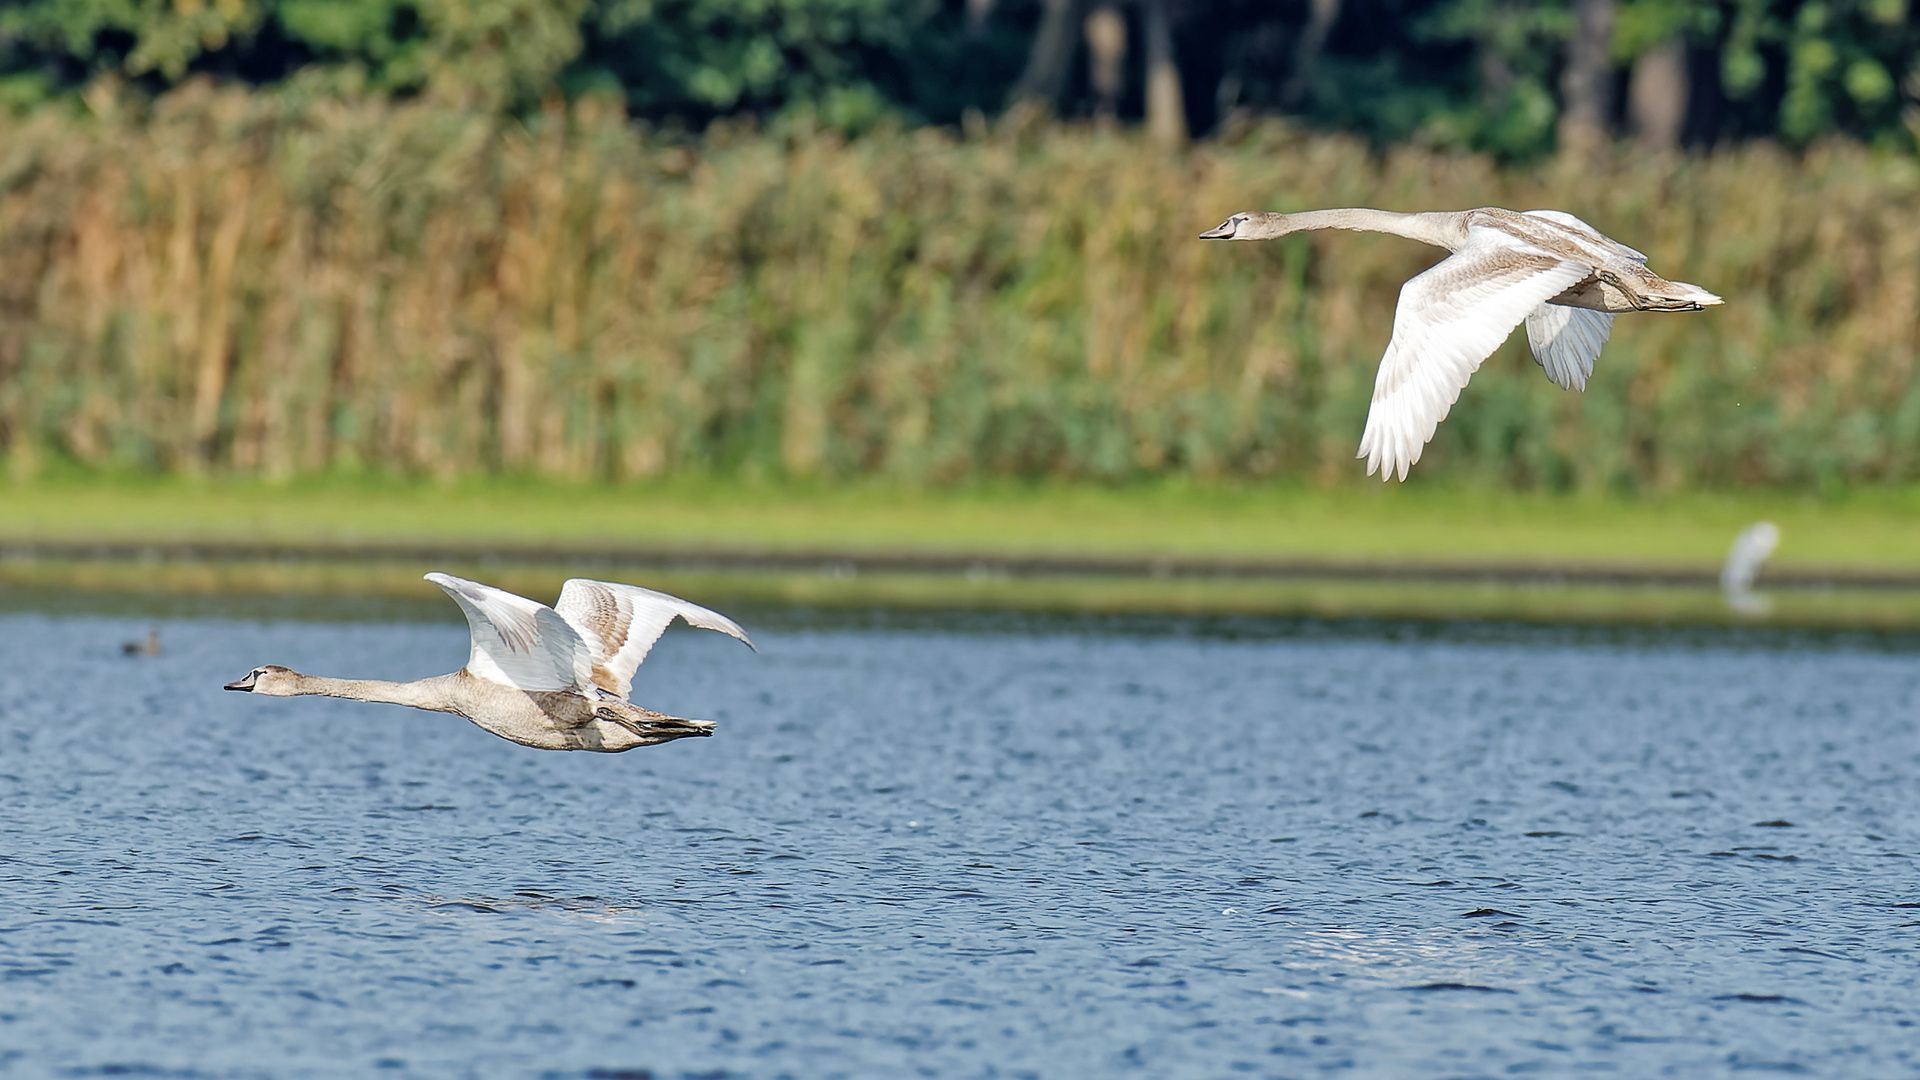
[
  {"x": 555, "y": 678},
  {"x": 1556, "y": 273}
]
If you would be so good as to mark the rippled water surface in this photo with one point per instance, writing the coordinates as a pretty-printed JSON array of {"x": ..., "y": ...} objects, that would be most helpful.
[{"x": 1066, "y": 853}]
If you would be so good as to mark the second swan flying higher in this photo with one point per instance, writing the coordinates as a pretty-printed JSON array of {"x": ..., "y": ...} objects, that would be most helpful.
[
  {"x": 555, "y": 678},
  {"x": 1552, "y": 270}
]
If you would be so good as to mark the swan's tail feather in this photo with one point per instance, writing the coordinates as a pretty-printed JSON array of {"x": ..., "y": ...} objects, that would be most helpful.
[
  {"x": 655, "y": 727},
  {"x": 1680, "y": 296}
]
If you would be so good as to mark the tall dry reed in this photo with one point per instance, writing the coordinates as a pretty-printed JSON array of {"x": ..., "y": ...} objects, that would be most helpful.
[{"x": 241, "y": 283}]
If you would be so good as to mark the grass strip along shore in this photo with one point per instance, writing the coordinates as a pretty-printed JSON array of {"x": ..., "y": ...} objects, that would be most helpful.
[{"x": 1427, "y": 552}]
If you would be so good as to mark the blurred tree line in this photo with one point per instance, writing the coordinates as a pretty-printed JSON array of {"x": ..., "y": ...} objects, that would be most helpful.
[{"x": 1514, "y": 77}]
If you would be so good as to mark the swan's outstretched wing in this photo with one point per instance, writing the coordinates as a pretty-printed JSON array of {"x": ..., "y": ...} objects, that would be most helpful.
[
  {"x": 620, "y": 623},
  {"x": 518, "y": 642},
  {"x": 1561, "y": 217},
  {"x": 1567, "y": 340},
  {"x": 1449, "y": 320}
]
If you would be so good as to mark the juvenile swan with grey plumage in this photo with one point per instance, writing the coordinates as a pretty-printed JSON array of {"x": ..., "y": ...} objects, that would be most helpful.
[
  {"x": 1557, "y": 273},
  {"x": 555, "y": 678}
]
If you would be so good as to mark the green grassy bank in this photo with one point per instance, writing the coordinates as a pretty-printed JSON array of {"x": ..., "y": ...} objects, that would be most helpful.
[
  {"x": 1877, "y": 529},
  {"x": 525, "y": 535}
]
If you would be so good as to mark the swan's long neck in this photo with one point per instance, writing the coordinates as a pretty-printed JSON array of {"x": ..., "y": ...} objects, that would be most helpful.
[
  {"x": 435, "y": 693},
  {"x": 1441, "y": 229}
]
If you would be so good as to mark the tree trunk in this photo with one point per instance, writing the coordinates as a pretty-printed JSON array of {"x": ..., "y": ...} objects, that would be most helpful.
[
  {"x": 978, "y": 12},
  {"x": 1050, "y": 58},
  {"x": 1306, "y": 53},
  {"x": 1166, "y": 111},
  {"x": 1585, "y": 83},
  {"x": 1106, "y": 33},
  {"x": 1657, "y": 96}
]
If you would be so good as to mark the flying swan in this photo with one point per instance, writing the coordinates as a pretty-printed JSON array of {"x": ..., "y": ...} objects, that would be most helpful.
[
  {"x": 555, "y": 678},
  {"x": 1552, "y": 270}
]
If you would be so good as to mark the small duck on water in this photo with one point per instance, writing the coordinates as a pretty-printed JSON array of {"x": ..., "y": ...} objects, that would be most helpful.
[
  {"x": 147, "y": 646},
  {"x": 553, "y": 678}
]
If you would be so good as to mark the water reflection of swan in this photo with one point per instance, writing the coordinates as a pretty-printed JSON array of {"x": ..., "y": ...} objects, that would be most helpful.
[
  {"x": 1750, "y": 550},
  {"x": 555, "y": 678},
  {"x": 1557, "y": 273}
]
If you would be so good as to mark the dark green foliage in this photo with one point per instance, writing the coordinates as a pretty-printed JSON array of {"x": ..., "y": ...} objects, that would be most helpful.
[
  {"x": 138, "y": 36},
  {"x": 1461, "y": 73},
  {"x": 702, "y": 58},
  {"x": 1793, "y": 69}
]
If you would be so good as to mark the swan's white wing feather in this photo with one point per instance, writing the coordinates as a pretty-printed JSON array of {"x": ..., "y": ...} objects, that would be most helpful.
[
  {"x": 620, "y": 623},
  {"x": 518, "y": 642},
  {"x": 1567, "y": 340},
  {"x": 1561, "y": 217},
  {"x": 1449, "y": 320}
]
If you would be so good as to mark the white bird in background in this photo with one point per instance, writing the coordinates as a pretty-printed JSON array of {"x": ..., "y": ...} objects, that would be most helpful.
[
  {"x": 1556, "y": 273},
  {"x": 555, "y": 678},
  {"x": 1749, "y": 552}
]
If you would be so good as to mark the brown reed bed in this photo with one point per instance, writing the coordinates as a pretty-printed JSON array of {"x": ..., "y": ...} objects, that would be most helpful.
[{"x": 251, "y": 284}]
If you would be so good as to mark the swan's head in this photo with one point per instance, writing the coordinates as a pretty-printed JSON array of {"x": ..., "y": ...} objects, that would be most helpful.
[
  {"x": 1251, "y": 225},
  {"x": 1228, "y": 229},
  {"x": 271, "y": 679}
]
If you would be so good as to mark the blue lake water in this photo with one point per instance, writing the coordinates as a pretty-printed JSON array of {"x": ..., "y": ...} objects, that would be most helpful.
[{"x": 1040, "y": 849}]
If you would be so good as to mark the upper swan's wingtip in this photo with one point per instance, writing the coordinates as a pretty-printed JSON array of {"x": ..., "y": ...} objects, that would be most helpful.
[{"x": 1386, "y": 465}]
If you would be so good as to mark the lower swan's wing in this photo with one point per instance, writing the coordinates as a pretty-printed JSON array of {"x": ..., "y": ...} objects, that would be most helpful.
[
  {"x": 518, "y": 642},
  {"x": 1449, "y": 320},
  {"x": 1567, "y": 340},
  {"x": 620, "y": 623}
]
